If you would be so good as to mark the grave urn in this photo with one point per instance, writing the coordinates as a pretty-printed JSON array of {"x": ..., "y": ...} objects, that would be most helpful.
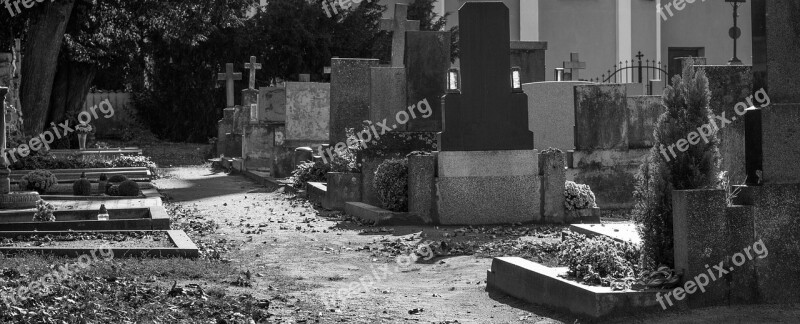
[{"x": 82, "y": 140}]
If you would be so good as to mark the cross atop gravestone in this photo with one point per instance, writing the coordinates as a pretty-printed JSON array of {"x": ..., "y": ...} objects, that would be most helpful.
[
  {"x": 487, "y": 115},
  {"x": 574, "y": 64},
  {"x": 398, "y": 26},
  {"x": 252, "y": 66},
  {"x": 229, "y": 76}
]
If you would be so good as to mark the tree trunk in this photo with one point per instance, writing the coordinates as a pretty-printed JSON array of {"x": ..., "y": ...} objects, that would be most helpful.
[
  {"x": 70, "y": 87},
  {"x": 71, "y": 84},
  {"x": 41, "y": 59}
]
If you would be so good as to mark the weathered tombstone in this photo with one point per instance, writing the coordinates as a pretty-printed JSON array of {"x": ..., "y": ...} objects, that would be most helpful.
[
  {"x": 529, "y": 57},
  {"x": 551, "y": 113},
  {"x": 600, "y": 117},
  {"x": 398, "y": 26},
  {"x": 427, "y": 61},
  {"x": 226, "y": 125},
  {"x": 349, "y": 100},
  {"x": 574, "y": 65},
  {"x": 643, "y": 114},
  {"x": 307, "y": 113},
  {"x": 487, "y": 167}
]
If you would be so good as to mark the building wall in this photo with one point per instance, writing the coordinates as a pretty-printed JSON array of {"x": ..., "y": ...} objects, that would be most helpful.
[
  {"x": 452, "y": 6},
  {"x": 587, "y": 27},
  {"x": 706, "y": 24}
]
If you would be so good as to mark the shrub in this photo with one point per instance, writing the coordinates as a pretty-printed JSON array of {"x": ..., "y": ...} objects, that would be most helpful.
[
  {"x": 391, "y": 182},
  {"x": 600, "y": 259},
  {"x": 82, "y": 187},
  {"x": 103, "y": 177},
  {"x": 113, "y": 190},
  {"x": 118, "y": 178},
  {"x": 44, "y": 212},
  {"x": 578, "y": 196},
  {"x": 129, "y": 188},
  {"x": 38, "y": 180},
  {"x": 686, "y": 102},
  {"x": 309, "y": 172}
]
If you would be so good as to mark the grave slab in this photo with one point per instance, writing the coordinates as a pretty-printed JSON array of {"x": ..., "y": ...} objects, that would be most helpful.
[
  {"x": 643, "y": 114},
  {"x": 307, "y": 113},
  {"x": 349, "y": 99},
  {"x": 149, "y": 218},
  {"x": 470, "y": 182},
  {"x": 622, "y": 232},
  {"x": 427, "y": 61},
  {"x": 700, "y": 233},
  {"x": 271, "y": 104},
  {"x": 551, "y": 113},
  {"x": 780, "y": 143},
  {"x": 422, "y": 187},
  {"x": 529, "y": 56},
  {"x": 486, "y": 115},
  {"x": 777, "y": 225},
  {"x": 387, "y": 95},
  {"x": 182, "y": 246},
  {"x": 551, "y": 169},
  {"x": 601, "y": 117},
  {"x": 379, "y": 216},
  {"x": 542, "y": 285}
]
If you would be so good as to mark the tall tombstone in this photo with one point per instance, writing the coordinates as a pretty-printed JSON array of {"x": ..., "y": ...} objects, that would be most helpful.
[
  {"x": 486, "y": 115},
  {"x": 226, "y": 145},
  {"x": 350, "y": 99},
  {"x": 529, "y": 57},
  {"x": 307, "y": 113},
  {"x": 427, "y": 61},
  {"x": 487, "y": 167}
]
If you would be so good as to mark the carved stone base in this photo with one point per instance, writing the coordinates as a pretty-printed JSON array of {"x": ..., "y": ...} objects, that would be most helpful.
[{"x": 19, "y": 200}]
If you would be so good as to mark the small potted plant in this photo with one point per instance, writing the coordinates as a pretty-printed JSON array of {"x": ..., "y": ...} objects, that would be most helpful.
[{"x": 83, "y": 131}]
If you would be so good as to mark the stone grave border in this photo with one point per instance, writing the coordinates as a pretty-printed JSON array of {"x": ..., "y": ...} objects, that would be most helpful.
[
  {"x": 184, "y": 247},
  {"x": 538, "y": 284},
  {"x": 156, "y": 219}
]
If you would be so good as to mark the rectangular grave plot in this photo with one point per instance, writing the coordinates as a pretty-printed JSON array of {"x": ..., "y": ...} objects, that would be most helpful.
[
  {"x": 128, "y": 219},
  {"x": 180, "y": 245}
]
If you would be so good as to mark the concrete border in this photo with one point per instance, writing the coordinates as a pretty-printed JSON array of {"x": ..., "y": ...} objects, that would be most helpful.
[
  {"x": 184, "y": 247},
  {"x": 152, "y": 218},
  {"x": 538, "y": 284},
  {"x": 379, "y": 216}
]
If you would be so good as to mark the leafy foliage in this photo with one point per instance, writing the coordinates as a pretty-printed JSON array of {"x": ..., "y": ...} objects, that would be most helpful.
[
  {"x": 598, "y": 260},
  {"x": 309, "y": 172},
  {"x": 82, "y": 186},
  {"x": 129, "y": 188},
  {"x": 686, "y": 102},
  {"x": 391, "y": 182},
  {"x": 46, "y": 161},
  {"x": 38, "y": 180},
  {"x": 44, "y": 212},
  {"x": 578, "y": 196}
]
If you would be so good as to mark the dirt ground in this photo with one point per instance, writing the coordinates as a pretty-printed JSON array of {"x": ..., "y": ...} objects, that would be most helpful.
[{"x": 319, "y": 268}]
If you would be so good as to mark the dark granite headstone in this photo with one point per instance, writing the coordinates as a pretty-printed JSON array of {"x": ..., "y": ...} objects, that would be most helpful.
[
  {"x": 350, "y": 95},
  {"x": 427, "y": 61},
  {"x": 529, "y": 57},
  {"x": 486, "y": 115},
  {"x": 783, "y": 47}
]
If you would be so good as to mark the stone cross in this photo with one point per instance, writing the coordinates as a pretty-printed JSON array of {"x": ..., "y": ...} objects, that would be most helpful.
[
  {"x": 574, "y": 64},
  {"x": 252, "y": 66},
  {"x": 229, "y": 76},
  {"x": 398, "y": 26}
]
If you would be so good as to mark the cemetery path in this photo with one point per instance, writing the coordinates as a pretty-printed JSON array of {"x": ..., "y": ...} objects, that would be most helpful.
[
  {"x": 301, "y": 260},
  {"x": 320, "y": 269}
]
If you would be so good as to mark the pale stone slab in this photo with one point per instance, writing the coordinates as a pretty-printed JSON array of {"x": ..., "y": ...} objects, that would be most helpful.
[
  {"x": 308, "y": 111},
  {"x": 551, "y": 113}
]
